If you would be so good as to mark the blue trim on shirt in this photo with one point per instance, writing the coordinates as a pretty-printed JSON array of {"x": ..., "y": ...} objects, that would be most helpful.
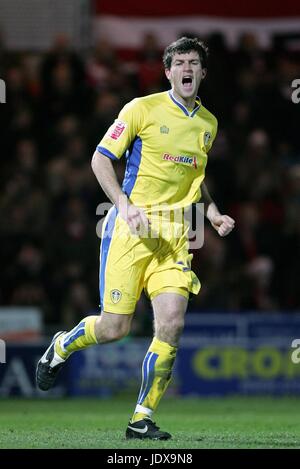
[
  {"x": 107, "y": 153},
  {"x": 182, "y": 107},
  {"x": 195, "y": 110},
  {"x": 132, "y": 166}
]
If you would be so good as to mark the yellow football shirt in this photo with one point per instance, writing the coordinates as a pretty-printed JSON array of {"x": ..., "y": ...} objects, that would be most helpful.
[{"x": 166, "y": 148}]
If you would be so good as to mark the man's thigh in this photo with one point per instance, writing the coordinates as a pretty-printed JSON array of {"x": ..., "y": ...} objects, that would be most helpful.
[{"x": 169, "y": 306}]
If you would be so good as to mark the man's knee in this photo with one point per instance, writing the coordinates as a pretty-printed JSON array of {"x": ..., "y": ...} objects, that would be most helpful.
[
  {"x": 169, "y": 312},
  {"x": 169, "y": 329},
  {"x": 111, "y": 327},
  {"x": 175, "y": 324},
  {"x": 115, "y": 333}
]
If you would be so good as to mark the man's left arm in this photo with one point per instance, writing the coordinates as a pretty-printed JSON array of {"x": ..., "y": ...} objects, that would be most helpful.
[{"x": 223, "y": 224}]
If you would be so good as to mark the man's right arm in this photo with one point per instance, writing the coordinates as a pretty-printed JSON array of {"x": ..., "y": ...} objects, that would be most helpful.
[{"x": 107, "y": 178}]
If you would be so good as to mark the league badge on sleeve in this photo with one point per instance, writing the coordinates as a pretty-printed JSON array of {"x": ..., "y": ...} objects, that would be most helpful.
[{"x": 117, "y": 129}]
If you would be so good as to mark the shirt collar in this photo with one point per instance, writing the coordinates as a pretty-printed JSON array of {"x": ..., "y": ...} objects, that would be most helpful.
[{"x": 183, "y": 108}]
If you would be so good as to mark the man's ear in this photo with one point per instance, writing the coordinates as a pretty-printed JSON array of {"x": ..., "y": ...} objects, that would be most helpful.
[
  {"x": 168, "y": 73},
  {"x": 204, "y": 72}
]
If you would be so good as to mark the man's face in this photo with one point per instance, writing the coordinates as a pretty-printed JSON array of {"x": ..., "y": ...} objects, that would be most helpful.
[{"x": 186, "y": 74}]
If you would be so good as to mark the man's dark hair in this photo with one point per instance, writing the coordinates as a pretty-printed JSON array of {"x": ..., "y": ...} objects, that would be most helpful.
[{"x": 184, "y": 45}]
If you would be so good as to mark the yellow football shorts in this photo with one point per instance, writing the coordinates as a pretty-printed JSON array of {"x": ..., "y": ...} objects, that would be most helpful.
[{"x": 158, "y": 262}]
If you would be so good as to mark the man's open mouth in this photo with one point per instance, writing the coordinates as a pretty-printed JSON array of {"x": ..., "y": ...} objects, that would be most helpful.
[{"x": 187, "y": 82}]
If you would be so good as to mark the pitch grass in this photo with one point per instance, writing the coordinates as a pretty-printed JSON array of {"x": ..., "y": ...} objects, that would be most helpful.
[{"x": 194, "y": 423}]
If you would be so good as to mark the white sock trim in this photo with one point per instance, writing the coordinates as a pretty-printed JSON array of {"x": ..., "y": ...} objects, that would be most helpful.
[
  {"x": 56, "y": 360},
  {"x": 143, "y": 410},
  {"x": 61, "y": 342}
]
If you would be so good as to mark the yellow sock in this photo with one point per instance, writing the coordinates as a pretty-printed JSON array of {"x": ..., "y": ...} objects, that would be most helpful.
[
  {"x": 80, "y": 337},
  {"x": 157, "y": 370}
]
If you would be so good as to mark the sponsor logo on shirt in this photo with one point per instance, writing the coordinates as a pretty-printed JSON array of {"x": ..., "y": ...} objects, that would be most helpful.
[
  {"x": 117, "y": 129},
  {"x": 181, "y": 159}
]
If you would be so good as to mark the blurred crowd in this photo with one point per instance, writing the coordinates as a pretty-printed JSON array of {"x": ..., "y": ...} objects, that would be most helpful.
[{"x": 59, "y": 105}]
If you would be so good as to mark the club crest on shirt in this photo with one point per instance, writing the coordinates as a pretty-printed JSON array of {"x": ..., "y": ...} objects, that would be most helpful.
[
  {"x": 117, "y": 129},
  {"x": 207, "y": 137},
  {"x": 115, "y": 295}
]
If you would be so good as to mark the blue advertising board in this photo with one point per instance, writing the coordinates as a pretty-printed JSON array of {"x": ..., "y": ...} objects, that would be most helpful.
[
  {"x": 109, "y": 369},
  {"x": 239, "y": 354},
  {"x": 219, "y": 354},
  {"x": 242, "y": 367}
]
